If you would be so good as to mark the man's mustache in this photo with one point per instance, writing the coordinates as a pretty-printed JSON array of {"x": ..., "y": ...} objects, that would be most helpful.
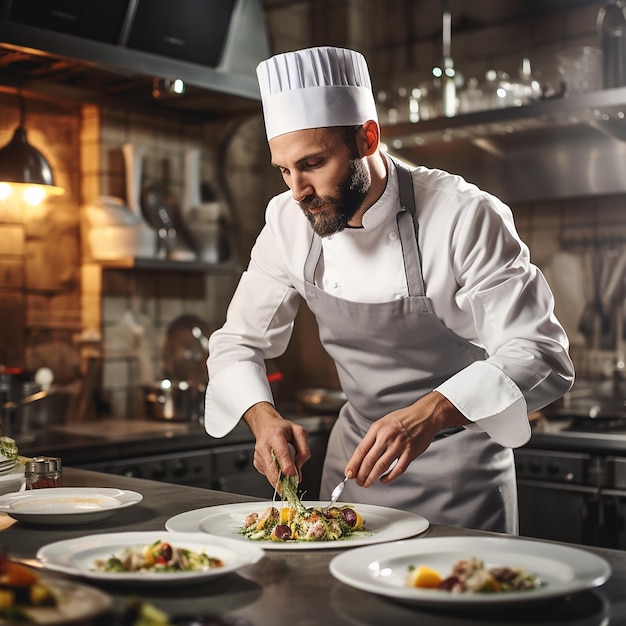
[{"x": 313, "y": 203}]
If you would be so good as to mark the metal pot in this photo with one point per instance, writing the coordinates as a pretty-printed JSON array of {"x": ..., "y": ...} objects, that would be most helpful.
[
  {"x": 26, "y": 409},
  {"x": 176, "y": 401}
]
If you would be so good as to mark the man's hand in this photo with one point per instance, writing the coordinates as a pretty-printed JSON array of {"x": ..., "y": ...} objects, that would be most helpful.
[
  {"x": 403, "y": 434},
  {"x": 274, "y": 433}
]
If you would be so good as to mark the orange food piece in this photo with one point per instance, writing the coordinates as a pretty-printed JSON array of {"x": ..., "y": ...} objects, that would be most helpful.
[
  {"x": 286, "y": 515},
  {"x": 424, "y": 577},
  {"x": 17, "y": 575}
]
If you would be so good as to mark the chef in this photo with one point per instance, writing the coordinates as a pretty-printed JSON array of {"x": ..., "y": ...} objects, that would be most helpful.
[{"x": 442, "y": 330}]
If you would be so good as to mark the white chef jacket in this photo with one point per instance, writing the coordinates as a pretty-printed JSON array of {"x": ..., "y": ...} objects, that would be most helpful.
[{"x": 477, "y": 273}]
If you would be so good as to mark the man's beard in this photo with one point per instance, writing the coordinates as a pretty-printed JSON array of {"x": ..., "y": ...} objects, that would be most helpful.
[{"x": 351, "y": 192}]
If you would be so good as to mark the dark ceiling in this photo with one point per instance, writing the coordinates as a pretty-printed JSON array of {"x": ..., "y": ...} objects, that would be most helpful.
[{"x": 62, "y": 78}]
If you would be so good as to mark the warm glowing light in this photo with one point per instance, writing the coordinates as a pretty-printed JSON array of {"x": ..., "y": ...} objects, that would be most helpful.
[
  {"x": 33, "y": 195},
  {"x": 5, "y": 191}
]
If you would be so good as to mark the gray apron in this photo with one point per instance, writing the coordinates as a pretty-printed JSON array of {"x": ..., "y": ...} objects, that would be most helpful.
[{"x": 388, "y": 355}]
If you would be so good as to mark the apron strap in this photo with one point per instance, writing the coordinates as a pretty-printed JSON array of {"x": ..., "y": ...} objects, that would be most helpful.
[
  {"x": 409, "y": 229},
  {"x": 312, "y": 259},
  {"x": 405, "y": 183}
]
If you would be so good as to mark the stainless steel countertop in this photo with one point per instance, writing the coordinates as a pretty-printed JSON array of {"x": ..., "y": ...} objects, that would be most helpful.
[
  {"x": 109, "y": 439},
  {"x": 296, "y": 588},
  {"x": 553, "y": 435}
]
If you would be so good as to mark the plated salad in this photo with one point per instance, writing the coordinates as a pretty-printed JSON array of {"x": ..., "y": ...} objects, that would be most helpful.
[
  {"x": 156, "y": 557},
  {"x": 21, "y": 590},
  {"x": 473, "y": 576},
  {"x": 291, "y": 521}
]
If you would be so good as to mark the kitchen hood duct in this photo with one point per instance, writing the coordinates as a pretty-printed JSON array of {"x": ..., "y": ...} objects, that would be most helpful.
[{"x": 212, "y": 45}]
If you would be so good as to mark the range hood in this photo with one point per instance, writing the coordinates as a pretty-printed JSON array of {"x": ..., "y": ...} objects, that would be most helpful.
[{"x": 123, "y": 47}]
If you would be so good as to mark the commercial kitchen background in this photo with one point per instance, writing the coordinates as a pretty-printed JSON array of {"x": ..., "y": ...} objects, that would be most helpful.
[{"x": 62, "y": 309}]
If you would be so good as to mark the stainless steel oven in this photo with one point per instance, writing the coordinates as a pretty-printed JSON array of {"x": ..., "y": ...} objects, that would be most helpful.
[
  {"x": 558, "y": 495},
  {"x": 572, "y": 485},
  {"x": 228, "y": 468},
  {"x": 572, "y": 473}
]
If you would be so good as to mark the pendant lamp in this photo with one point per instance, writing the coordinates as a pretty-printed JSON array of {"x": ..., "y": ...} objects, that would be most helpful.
[{"x": 24, "y": 169}]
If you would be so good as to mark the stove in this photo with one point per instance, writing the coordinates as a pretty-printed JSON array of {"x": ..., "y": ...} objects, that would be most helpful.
[
  {"x": 572, "y": 474},
  {"x": 614, "y": 425},
  {"x": 597, "y": 399}
]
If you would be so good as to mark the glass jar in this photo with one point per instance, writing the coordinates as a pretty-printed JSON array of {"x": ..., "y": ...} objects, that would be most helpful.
[
  {"x": 42, "y": 472},
  {"x": 580, "y": 68}
]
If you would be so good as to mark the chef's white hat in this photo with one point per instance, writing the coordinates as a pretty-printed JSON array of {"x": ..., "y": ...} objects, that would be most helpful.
[{"x": 315, "y": 88}]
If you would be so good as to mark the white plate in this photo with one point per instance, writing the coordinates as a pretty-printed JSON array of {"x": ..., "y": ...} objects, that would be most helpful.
[
  {"x": 383, "y": 569},
  {"x": 77, "y": 556},
  {"x": 13, "y": 480},
  {"x": 76, "y": 604},
  {"x": 7, "y": 466},
  {"x": 67, "y": 505},
  {"x": 226, "y": 520}
]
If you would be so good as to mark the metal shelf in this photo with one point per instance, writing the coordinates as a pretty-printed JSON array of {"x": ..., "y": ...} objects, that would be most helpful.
[
  {"x": 569, "y": 147},
  {"x": 166, "y": 265},
  {"x": 604, "y": 110}
]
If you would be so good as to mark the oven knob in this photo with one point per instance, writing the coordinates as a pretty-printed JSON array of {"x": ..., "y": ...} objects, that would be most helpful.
[
  {"x": 553, "y": 468},
  {"x": 131, "y": 472},
  {"x": 242, "y": 460},
  {"x": 534, "y": 467},
  {"x": 159, "y": 471},
  {"x": 179, "y": 468}
]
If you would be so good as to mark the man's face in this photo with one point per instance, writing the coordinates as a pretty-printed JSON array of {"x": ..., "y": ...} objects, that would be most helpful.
[{"x": 326, "y": 178}]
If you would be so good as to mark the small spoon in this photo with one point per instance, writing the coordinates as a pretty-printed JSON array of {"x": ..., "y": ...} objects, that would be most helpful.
[{"x": 337, "y": 491}]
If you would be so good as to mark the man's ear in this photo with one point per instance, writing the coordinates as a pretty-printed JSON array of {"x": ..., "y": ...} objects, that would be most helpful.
[{"x": 370, "y": 138}]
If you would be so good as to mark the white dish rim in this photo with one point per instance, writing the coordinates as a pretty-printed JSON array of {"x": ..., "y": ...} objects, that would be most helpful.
[
  {"x": 359, "y": 570},
  {"x": 124, "y": 497},
  {"x": 61, "y": 556},
  {"x": 401, "y": 524}
]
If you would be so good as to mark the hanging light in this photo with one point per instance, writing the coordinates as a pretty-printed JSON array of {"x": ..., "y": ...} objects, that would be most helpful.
[{"x": 25, "y": 170}]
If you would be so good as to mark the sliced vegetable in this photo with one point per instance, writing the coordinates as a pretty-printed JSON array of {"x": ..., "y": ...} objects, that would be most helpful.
[
  {"x": 295, "y": 522},
  {"x": 424, "y": 577},
  {"x": 8, "y": 448},
  {"x": 159, "y": 556},
  {"x": 473, "y": 576}
]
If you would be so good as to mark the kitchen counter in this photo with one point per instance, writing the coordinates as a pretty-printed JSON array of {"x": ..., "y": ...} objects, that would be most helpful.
[
  {"x": 554, "y": 435},
  {"x": 118, "y": 438},
  {"x": 295, "y": 587},
  {"x": 107, "y": 439}
]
